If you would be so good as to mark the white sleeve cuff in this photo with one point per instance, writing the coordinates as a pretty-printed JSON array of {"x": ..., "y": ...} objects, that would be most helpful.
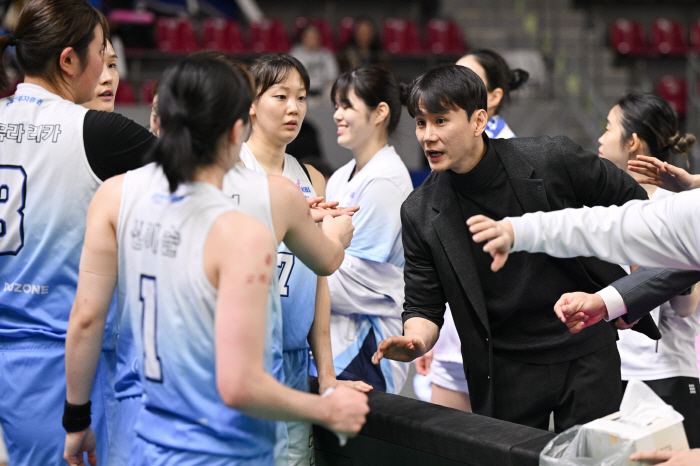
[{"x": 613, "y": 302}]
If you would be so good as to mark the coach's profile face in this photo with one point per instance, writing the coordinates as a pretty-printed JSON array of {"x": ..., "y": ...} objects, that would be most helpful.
[{"x": 450, "y": 139}]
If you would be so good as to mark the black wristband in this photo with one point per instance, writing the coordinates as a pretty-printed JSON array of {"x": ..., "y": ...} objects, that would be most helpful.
[{"x": 76, "y": 418}]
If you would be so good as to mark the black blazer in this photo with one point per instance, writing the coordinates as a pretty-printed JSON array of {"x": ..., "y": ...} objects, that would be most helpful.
[{"x": 546, "y": 174}]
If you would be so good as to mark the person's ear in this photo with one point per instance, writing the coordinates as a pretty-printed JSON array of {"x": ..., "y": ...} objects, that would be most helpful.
[
  {"x": 479, "y": 119},
  {"x": 381, "y": 113},
  {"x": 239, "y": 133},
  {"x": 634, "y": 143},
  {"x": 494, "y": 98},
  {"x": 69, "y": 62}
]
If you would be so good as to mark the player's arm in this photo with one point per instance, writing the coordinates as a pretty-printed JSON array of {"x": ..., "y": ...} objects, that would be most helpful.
[
  {"x": 96, "y": 282},
  {"x": 321, "y": 250},
  {"x": 321, "y": 207},
  {"x": 242, "y": 272}
]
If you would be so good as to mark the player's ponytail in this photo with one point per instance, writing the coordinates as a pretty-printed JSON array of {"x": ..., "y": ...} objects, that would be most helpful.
[
  {"x": 374, "y": 85},
  {"x": 200, "y": 99},
  {"x": 655, "y": 122},
  {"x": 499, "y": 74}
]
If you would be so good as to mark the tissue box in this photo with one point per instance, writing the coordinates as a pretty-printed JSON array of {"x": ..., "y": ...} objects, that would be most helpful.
[{"x": 602, "y": 435}]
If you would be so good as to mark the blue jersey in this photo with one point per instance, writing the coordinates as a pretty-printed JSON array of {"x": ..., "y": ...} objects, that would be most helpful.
[
  {"x": 297, "y": 282},
  {"x": 171, "y": 303},
  {"x": 46, "y": 185}
]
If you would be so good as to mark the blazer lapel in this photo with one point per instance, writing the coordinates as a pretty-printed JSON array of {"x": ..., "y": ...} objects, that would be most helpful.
[
  {"x": 451, "y": 228},
  {"x": 529, "y": 191}
]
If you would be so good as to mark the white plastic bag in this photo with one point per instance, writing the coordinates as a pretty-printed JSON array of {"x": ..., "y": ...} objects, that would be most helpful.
[{"x": 569, "y": 449}]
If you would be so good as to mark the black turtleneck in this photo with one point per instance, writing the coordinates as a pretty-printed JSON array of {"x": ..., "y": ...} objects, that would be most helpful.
[{"x": 520, "y": 297}]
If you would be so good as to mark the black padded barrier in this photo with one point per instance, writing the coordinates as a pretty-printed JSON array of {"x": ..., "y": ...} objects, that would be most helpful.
[{"x": 402, "y": 431}]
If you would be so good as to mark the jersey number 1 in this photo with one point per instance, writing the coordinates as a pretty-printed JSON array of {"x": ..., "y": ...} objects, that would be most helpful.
[
  {"x": 13, "y": 192},
  {"x": 151, "y": 361}
]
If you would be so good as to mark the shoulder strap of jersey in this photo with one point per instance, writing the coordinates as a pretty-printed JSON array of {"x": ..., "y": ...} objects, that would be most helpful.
[{"x": 306, "y": 171}]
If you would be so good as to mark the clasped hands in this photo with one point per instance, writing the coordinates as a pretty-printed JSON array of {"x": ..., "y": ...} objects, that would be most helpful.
[{"x": 320, "y": 209}]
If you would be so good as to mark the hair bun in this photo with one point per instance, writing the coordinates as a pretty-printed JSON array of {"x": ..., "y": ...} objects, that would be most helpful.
[
  {"x": 519, "y": 78},
  {"x": 404, "y": 90},
  {"x": 682, "y": 144}
]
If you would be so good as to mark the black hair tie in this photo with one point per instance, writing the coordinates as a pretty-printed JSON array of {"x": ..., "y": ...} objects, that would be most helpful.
[{"x": 12, "y": 40}]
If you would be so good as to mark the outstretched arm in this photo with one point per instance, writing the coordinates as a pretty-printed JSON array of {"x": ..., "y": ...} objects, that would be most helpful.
[
  {"x": 652, "y": 234},
  {"x": 663, "y": 174}
]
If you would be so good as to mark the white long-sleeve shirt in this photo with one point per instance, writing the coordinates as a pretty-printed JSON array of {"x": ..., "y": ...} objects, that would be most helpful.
[{"x": 664, "y": 233}]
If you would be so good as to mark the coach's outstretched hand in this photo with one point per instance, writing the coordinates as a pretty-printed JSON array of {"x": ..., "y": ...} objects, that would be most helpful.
[
  {"x": 320, "y": 209},
  {"x": 76, "y": 444},
  {"x": 498, "y": 234},
  {"x": 401, "y": 348},
  {"x": 663, "y": 174},
  {"x": 347, "y": 410}
]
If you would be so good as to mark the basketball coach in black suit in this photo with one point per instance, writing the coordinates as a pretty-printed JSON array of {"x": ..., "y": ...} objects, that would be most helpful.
[{"x": 520, "y": 361}]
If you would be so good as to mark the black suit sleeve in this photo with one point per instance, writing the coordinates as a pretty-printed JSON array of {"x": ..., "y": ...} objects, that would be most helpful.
[
  {"x": 647, "y": 287},
  {"x": 114, "y": 144},
  {"x": 596, "y": 181},
  {"x": 424, "y": 296}
]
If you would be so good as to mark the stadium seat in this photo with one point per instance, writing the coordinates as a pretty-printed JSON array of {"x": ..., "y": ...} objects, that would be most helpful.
[
  {"x": 175, "y": 35},
  {"x": 146, "y": 91},
  {"x": 668, "y": 38},
  {"x": 125, "y": 94},
  {"x": 675, "y": 90},
  {"x": 627, "y": 38},
  {"x": 223, "y": 35},
  {"x": 322, "y": 25},
  {"x": 269, "y": 36},
  {"x": 695, "y": 36},
  {"x": 444, "y": 37},
  {"x": 400, "y": 36},
  {"x": 345, "y": 31}
]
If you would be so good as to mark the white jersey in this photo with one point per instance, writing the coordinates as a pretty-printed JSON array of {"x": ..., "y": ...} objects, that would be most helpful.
[
  {"x": 46, "y": 184},
  {"x": 367, "y": 290},
  {"x": 164, "y": 289},
  {"x": 297, "y": 282},
  {"x": 672, "y": 356}
]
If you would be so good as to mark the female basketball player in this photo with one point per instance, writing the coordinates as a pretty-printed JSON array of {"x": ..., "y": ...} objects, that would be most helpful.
[
  {"x": 54, "y": 155},
  {"x": 367, "y": 290},
  {"x": 194, "y": 274},
  {"x": 106, "y": 90},
  {"x": 277, "y": 114}
]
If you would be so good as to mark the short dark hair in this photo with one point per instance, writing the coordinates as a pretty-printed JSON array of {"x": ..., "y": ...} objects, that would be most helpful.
[
  {"x": 374, "y": 85},
  {"x": 446, "y": 88},
  {"x": 45, "y": 28},
  {"x": 499, "y": 74},
  {"x": 199, "y": 100},
  {"x": 273, "y": 68},
  {"x": 655, "y": 122}
]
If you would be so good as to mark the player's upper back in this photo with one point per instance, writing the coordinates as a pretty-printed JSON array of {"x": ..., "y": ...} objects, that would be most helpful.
[{"x": 46, "y": 185}]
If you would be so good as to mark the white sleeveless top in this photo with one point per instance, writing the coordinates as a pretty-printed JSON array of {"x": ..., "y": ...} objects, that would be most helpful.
[
  {"x": 164, "y": 289},
  {"x": 46, "y": 185},
  {"x": 297, "y": 282}
]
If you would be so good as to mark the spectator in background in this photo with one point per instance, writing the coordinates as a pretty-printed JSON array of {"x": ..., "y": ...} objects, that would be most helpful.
[
  {"x": 364, "y": 47},
  {"x": 318, "y": 60}
]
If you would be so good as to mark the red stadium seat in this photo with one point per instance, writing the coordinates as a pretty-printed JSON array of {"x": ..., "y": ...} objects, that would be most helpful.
[
  {"x": 444, "y": 37},
  {"x": 323, "y": 27},
  {"x": 125, "y": 94},
  {"x": 400, "y": 36},
  {"x": 223, "y": 35},
  {"x": 345, "y": 30},
  {"x": 146, "y": 91},
  {"x": 10, "y": 90},
  {"x": 675, "y": 90},
  {"x": 695, "y": 36},
  {"x": 627, "y": 38},
  {"x": 175, "y": 35},
  {"x": 668, "y": 38},
  {"x": 269, "y": 36}
]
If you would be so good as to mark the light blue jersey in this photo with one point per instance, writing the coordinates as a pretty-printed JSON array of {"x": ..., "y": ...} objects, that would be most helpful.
[
  {"x": 171, "y": 303},
  {"x": 497, "y": 128}
]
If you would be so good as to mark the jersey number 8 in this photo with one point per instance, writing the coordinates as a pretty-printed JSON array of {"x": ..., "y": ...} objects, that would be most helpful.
[{"x": 13, "y": 192}]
